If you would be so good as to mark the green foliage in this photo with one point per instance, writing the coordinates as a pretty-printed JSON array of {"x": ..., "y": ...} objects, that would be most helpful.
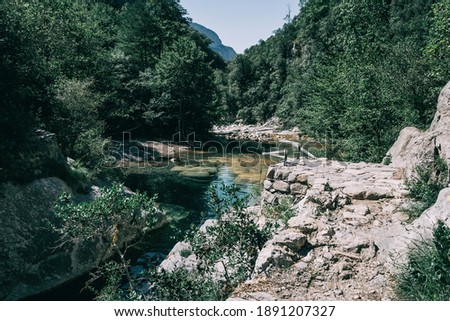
[
  {"x": 233, "y": 242},
  {"x": 111, "y": 274},
  {"x": 361, "y": 70},
  {"x": 183, "y": 84},
  {"x": 426, "y": 274},
  {"x": 282, "y": 211},
  {"x": 113, "y": 215},
  {"x": 182, "y": 285},
  {"x": 86, "y": 70},
  {"x": 425, "y": 185},
  {"x": 387, "y": 160},
  {"x": 439, "y": 39},
  {"x": 148, "y": 27},
  {"x": 76, "y": 120}
]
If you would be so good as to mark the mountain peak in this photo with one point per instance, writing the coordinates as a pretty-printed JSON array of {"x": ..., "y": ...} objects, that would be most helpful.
[{"x": 226, "y": 52}]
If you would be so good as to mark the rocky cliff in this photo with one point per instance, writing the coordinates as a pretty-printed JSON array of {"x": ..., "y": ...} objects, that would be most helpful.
[
  {"x": 415, "y": 147},
  {"x": 31, "y": 260}
]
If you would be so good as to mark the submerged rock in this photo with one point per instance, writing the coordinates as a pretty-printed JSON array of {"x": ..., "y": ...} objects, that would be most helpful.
[{"x": 196, "y": 172}]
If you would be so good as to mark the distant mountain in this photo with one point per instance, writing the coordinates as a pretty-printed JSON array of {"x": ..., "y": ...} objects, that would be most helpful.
[{"x": 227, "y": 53}]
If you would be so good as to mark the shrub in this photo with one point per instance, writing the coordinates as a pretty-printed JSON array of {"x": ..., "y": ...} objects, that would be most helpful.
[
  {"x": 283, "y": 211},
  {"x": 426, "y": 274},
  {"x": 425, "y": 185},
  {"x": 105, "y": 216},
  {"x": 233, "y": 242},
  {"x": 182, "y": 285},
  {"x": 112, "y": 218}
]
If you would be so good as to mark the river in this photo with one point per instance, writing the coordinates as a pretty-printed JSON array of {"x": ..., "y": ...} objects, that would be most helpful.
[{"x": 182, "y": 189}]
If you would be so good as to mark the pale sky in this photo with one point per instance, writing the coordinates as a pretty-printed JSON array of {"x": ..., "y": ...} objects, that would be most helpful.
[{"x": 241, "y": 23}]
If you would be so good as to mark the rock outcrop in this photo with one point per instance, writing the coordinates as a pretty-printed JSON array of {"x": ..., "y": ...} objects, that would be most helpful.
[
  {"x": 329, "y": 250},
  {"x": 31, "y": 260},
  {"x": 416, "y": 148}
]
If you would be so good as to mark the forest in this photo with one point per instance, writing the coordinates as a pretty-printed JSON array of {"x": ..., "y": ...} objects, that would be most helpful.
[
  {"x": 351, "y": 72},
  {"x": 89, "y": 70}
]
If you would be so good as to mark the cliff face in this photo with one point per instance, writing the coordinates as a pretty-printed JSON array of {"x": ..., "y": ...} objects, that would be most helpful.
[
  {"x": 32, "y": 259},
  {"x": 414, "y": 147}
]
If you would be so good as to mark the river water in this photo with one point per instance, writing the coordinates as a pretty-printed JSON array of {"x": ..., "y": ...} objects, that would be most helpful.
[{"x": 182, "y": 189}]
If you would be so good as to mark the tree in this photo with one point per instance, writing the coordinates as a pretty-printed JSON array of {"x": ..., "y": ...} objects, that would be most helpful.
[
  {"x": 76, "y": 120},
  {"x": 148, "y": 27},
  {"x": 183, "y": 87},
  {"x": 113, "y": 219}
]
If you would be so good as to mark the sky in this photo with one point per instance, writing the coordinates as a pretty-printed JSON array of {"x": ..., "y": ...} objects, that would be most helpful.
[{"x": 241, "y": 23}]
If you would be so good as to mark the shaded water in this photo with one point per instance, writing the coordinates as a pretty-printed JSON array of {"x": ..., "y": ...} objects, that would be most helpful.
[{"x": 184, "y": 196}]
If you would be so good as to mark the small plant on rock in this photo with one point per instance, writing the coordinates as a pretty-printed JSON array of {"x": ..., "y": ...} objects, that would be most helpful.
[
  {"x": 426, "y": 274},
  {"x": 425, "y": 185}
]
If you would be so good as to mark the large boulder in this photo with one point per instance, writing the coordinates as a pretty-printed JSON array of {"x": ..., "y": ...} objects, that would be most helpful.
[
  {"x": 31, "y": 258},
  {"x": 414, "y": 147},
  {"x": 180, "y": 257}
]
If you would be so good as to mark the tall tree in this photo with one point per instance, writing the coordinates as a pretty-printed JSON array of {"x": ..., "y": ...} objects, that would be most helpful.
[
  {"x": 183, "y": 86},
  {"x": 148, "y": 26}
]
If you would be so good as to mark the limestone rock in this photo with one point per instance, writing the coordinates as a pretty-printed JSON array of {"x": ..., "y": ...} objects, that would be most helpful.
[
  {"x": 291, "y": 238},
  {"x": 306, "y": 225},
  {"x": 299, "y": 189},
  {"x": 360, "y": 209},
  {"x": 281, "y": 186},
  {"x": 378, "y": 192},
  {"x": 178, "y": 259},
  {"x": 414, "y": 148},
  {"x": 268, "y": 197},
  {"x": 253, "y": 296},
  {"x": 282, "y": 174},
  {"x": 267, "y": 185},
  {"x": 271, "y": 256}
]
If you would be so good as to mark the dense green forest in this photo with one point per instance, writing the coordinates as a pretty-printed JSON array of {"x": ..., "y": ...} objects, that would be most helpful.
[
  {"x": 88, "y": 70},
  {"x": 355, "y": 72}
]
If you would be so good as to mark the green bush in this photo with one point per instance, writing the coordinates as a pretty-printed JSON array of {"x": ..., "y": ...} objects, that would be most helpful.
[
  {"x": 182, "y": 285},
  {"x": 114, "y": 217},
  {"x": 425, "y": 185},
  {"x": 233, "y": 242},
  {"x": 283, "y": 211},
  {"x": 111, "y": 215},
  {"x": 426, "y": 275}
]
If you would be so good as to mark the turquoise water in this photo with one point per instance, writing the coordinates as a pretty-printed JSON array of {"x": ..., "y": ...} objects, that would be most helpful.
[{"x": 185, "y": 200}]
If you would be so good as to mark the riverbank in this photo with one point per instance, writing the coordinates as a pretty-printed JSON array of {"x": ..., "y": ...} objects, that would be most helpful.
[{"x": 270, "y": 131}]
